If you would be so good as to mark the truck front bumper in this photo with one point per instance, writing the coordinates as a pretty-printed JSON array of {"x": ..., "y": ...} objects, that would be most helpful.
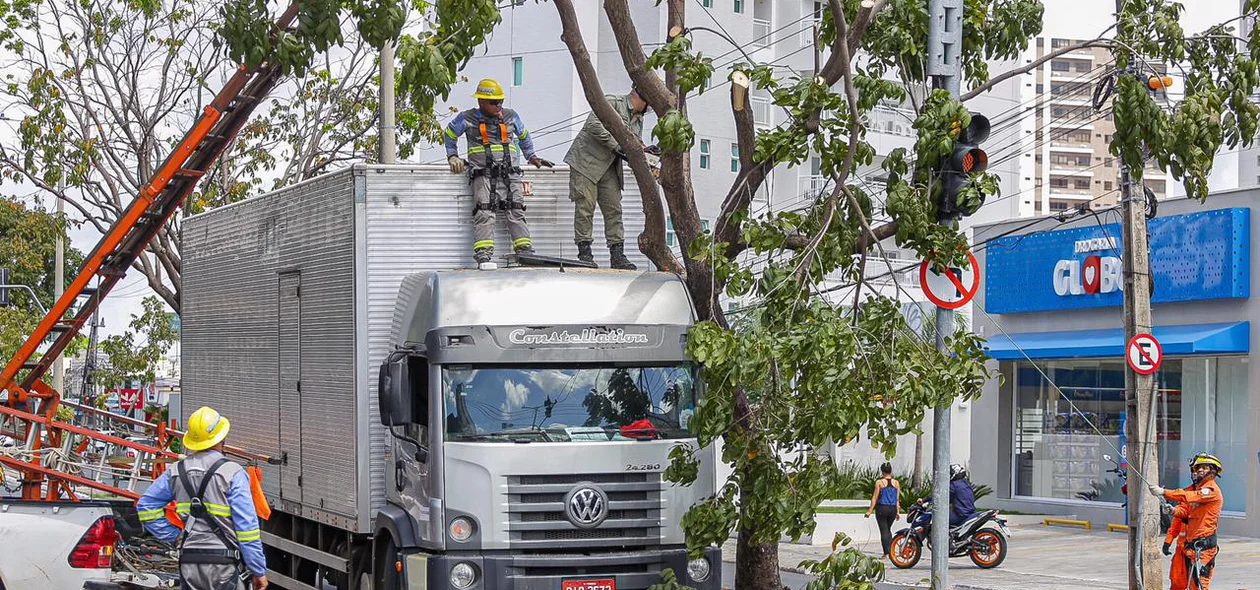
[{"x": 507, "y": 571}]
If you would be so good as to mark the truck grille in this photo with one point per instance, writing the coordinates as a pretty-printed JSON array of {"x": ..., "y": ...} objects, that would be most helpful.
[{"x": 537, "y": 519}]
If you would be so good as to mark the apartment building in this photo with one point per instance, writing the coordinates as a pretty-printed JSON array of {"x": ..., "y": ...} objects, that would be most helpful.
[{"x": 1072, "y": 164}]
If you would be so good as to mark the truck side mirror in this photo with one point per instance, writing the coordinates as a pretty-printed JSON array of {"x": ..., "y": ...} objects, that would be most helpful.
[{"x": 394, "y": 391}]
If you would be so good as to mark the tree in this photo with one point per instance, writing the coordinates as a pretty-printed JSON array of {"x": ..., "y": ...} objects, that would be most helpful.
[
  {"x": 102, "y": 91},
  {"x": 28, "y": 252},
  {"x": 134, "y": 355},
  {"x": 799, "y": 373}
]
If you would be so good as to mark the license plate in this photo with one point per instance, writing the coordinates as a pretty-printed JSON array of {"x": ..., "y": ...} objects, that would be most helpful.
[{"x": 602, "y": 584}]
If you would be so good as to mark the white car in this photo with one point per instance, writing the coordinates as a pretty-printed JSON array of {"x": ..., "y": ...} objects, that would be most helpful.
[{"x": 55, "y": 545}]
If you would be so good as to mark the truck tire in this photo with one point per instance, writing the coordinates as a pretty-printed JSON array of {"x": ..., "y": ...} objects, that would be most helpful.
[
  {"x": 361, "y": 577},
  {"x": 386, "y": 577}
]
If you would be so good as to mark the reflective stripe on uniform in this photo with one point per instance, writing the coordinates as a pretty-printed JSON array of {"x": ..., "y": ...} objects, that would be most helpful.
[
  {"x": 483, "y": 244},
  {"x": 211, "y": 508},
  {"x": 252, "y": 535},
  {"x": 481, "y": 149},
  {"x": 518, "y": 242},
  {"x": 451, "y": 134},
  {"x": 147, "y": 515}
]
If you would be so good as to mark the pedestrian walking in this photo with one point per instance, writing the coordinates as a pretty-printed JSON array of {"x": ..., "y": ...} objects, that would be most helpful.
[
  {"x": 494, "y": 135},
  {"x": 221, "y": 539},
  {"x": 886, "y": 505},
  {"x": 596, "y": 178},
  {"x": 1203, "y": 501}
]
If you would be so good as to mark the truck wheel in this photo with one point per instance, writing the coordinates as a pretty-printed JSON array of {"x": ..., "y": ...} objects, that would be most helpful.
[
  {"x": 386, "y": 577},
  {"x": 360, "y": 577}
]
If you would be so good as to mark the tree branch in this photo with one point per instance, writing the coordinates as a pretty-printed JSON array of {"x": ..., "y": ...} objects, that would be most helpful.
[
  {"x": 652, "y": 240},
  {"x": 1024, "y": 69}
]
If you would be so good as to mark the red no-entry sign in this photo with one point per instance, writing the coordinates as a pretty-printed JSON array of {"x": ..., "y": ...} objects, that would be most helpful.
[
  {"x": 953, "y": 287},
  {"x": 1144, "y": 354}
]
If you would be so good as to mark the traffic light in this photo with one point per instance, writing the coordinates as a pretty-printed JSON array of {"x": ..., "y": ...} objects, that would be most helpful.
[{"x": 957, "y": 170}]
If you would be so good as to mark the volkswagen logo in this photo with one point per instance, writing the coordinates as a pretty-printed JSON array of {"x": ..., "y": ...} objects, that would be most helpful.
[{"x": 586, "y": 506}]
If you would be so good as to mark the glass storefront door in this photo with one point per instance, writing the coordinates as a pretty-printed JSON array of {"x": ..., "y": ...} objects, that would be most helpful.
[{"x": 1066, "y": 426}]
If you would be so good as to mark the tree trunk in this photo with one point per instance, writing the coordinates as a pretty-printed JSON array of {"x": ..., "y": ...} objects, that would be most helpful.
[{"x": 756, "y": 566}]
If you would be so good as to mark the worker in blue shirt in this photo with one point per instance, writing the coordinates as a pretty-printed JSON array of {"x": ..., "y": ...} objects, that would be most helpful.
[
  {"x": 212, "y": 495},
  {"x": 496, "y": 137}
]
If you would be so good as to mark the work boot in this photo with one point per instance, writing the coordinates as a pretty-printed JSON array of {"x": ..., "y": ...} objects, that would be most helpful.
[
  {"x": 617, "y": 254},
  {"x": 483, "y": 255},
  {"x": 525, "y": 250},
  {"x": 584, "y": 252}
]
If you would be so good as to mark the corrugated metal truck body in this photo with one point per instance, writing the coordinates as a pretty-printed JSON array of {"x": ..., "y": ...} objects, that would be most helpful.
[{"x": 295, "y": 373}]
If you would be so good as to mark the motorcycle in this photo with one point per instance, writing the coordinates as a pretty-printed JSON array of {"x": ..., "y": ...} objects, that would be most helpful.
[{"x": 985, "y": 544}]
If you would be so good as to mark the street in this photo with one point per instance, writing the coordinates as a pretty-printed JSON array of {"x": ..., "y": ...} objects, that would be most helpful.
[{"x": 792, "y": 580}]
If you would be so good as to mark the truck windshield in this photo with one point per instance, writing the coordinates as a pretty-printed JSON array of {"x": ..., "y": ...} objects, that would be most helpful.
[{"x": 515, "y": 404}]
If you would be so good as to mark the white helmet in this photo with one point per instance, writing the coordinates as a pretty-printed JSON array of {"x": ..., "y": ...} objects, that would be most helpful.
[{"x": 956, "y": 472}]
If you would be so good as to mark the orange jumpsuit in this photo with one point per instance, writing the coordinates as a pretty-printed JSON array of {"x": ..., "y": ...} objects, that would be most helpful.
[
  {"x": 1203, "y": 503},
  {"x": 1177, "y": 573}
]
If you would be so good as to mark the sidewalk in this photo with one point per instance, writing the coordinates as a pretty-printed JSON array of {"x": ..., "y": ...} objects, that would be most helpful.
[{"x": 1047, "y": 558}]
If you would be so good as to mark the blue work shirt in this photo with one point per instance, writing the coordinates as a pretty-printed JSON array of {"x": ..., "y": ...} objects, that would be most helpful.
[
  {"x": 962, "y": 502},
  {"x": 151, "y": 509}
]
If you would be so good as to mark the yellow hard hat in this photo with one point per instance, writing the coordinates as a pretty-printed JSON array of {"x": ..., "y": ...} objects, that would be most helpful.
[
  {"x": 1209, "y": 460},
  {"x": 489, "y": 89},
  {"x": 206, "y": 428}
]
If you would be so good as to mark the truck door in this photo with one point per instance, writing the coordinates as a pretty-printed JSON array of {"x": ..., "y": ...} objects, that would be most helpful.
[{"x": 289, "y": 413}]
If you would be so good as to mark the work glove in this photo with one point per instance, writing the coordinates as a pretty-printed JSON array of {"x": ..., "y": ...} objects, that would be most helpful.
[
  {"x": 1156, "y": 490},
  {"x": 457, "y": 164},
  {"x": 1167, "y": 548},
  {"x": 539, "y": 162}
]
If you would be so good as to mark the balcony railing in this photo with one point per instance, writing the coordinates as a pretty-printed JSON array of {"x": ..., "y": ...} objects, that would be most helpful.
[
  {"x": 761, "y": 33},
  {"x": 762, "y": 111},
  {"x": 891, "y": 120}
]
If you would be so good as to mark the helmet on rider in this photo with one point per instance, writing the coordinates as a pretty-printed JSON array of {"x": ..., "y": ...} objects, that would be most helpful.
[
  {"x": 957, "y": 472},
  {"x": 1208, "y": 460}
]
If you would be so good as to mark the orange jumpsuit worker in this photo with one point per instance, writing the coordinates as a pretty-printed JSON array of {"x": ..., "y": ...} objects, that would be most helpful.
[
  {"x": 1203, "y": 503},
  {"x": 1177, "y": 572}
]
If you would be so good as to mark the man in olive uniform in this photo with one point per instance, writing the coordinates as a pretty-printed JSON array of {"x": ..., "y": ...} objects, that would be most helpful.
[
  {"x": 496, "y": 137},
  {"x": 595, "y": 177}
]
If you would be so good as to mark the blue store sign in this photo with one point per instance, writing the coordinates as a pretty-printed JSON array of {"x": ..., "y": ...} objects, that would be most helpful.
[{"x": 1194, "y": 256}]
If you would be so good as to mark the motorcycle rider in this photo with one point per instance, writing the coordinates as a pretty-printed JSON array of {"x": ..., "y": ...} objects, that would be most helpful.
[
  {"x": 962, "y": 500},
  {"x": 1203, "y": 502}
]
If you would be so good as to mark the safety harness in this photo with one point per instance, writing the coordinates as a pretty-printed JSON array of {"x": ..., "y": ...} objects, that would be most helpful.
[
  {"x": 230, "y": 554},
  {"x": 1197, "y": 568},
  {"x": 496, "y": 171}
]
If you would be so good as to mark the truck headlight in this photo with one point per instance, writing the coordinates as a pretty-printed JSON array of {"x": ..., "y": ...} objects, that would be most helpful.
[
  {"x": 461, "y": 529},
  {"x": 698, "y": 569},
  {"x": 463, "y": 575}
]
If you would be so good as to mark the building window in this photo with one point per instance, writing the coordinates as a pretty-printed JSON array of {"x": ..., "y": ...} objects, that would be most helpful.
[
  {"x": 707, "y": 3},
  {"x": 1109, "y": 162},
  {"x": 1059, "y": 43},
  {"x": 1059, "y": 65},
  {"x": 1041, "y": 88},
  {"x": 1106, "y": 185},
  {"x": 739, "y": 6},
  {"x": 518, "y": 70},
  {"x": 1202, "y": 404},
  {"x": 1058, "y": 206},
  {"x": 704, "y": 153},
  {"x": 734, "y": 157},
  {"x": 669, "y": 232}
]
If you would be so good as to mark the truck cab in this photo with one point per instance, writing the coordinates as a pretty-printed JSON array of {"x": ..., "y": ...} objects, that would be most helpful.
[{"x": 532, "y": 412}]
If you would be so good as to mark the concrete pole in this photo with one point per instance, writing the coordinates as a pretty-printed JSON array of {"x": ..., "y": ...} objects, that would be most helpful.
[
  {"x": 59, "y": 287},
  {"x": 389, "y": 150},
  {"x": 944, "y": 67},
  {"x": 1139, "y": 391}
]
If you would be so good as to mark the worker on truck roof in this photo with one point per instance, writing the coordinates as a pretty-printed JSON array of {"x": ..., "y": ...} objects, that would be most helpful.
[
  {"x": 212, "y": 495},
  {"x": 493, "y": 135},
  {"x": 595, "y": 177}
]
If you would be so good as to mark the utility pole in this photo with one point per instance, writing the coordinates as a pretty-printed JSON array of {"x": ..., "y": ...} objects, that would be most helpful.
[
  {"x": 944, "y": 67},
  {"x": 389, "y": 151},
  {"x": 1139, "y": 390}
]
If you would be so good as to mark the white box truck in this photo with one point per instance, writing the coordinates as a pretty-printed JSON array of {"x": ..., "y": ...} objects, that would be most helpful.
[{"x": 531, "y": 410}]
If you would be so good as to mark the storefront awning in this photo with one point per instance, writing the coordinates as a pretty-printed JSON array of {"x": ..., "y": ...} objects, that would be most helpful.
[{"x": 1175, "y": 340}]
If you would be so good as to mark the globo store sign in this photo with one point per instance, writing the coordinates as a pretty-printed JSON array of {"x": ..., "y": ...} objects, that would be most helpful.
[
  {"x": 1195, "y": 256},
  {"x": 1098, "y": 272}
]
